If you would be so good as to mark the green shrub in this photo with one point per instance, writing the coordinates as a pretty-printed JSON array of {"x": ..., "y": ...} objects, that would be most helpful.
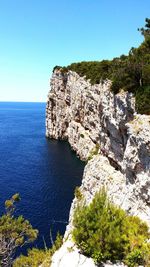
[
  {"x": 105, "y": 232},
  {"x": 143, "y": 100},
  {"x": 94, "y": 151},
  {"x": 15, "y": 232},
  {"x": 36, "y": 256},
  {"x": 135, "y": 258},
  {"x": 78, "y": 193},
  {"x": 96, "y": 71},
  {"x": 82, "y": 135}
]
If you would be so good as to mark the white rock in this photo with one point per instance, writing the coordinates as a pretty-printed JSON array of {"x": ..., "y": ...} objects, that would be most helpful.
[
  {"x": 87, "y": 115},
  {"x": 69, "y": 256}
]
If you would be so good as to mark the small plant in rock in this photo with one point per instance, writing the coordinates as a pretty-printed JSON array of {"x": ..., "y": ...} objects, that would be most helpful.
[
  {"x": 82, "y": 135},
  {"x": 78, "y": 193},
  {"x": 94, "y": 151}
]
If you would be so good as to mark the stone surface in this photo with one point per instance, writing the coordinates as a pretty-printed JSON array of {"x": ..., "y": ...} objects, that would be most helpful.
[
  {"x": 95, "y": 121},
  {"x": 69, "y": 256}
]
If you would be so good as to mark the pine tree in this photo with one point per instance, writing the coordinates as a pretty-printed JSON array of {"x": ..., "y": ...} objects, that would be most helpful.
[{"x": 14, "y": 232}]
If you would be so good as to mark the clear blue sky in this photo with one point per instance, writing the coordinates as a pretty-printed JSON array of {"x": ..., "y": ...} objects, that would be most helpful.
[{"x": 36, "y": 35}]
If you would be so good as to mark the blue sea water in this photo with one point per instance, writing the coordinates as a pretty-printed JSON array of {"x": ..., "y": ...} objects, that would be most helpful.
[{"x": 45, "y": 172}]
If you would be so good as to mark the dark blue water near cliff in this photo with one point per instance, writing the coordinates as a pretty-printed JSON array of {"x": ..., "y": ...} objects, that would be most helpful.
[{"x": 44, "y": 172}]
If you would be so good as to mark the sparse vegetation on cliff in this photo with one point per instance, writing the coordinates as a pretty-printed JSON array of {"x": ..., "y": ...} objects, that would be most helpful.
[
  {"x": 105, "y": 232},
  {"x": 14, "y": 232},
  {"x": 78, "y": 193},
  {"x": 130, "y": 73},
  {"x": 36, "y": 256},
  {"x": 94, "y": 151}
]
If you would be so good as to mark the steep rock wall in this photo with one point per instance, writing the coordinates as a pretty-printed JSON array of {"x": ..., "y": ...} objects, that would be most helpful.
[
  {"x": 95, "y": 121},
  {"x": 88, "y": 115}
]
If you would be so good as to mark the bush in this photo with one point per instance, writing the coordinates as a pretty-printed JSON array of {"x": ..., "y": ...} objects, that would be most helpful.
[
  {"x": 78, "y": 193},
  {"x": 143, "y": 100},
  {"x": 96, "y": 71},
  {"x": 94, "y": 151},
  {"x": 14, "y": 232},
  {"x": 135, "y": 258},
  {"x": 36, "y": 256},
  {"x": 105, "y": 232}
]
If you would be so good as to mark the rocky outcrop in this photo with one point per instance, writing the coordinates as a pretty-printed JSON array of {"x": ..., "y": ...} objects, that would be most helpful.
[
  {"x": 104, "y": 128},
  {"x": 69, "y": 256}
]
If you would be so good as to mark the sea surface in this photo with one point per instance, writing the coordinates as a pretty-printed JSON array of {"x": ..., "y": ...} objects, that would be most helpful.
[{"x": 45, "y": 172}]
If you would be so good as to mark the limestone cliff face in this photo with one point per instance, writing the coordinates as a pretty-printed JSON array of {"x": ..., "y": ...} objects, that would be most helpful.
[{"x": 95, "y": 121}]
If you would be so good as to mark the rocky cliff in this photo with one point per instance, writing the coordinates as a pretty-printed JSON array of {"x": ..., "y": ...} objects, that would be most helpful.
[{"x": 104, "y": 130}]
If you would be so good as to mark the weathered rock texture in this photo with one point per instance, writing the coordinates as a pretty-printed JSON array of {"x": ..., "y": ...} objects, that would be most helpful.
[{"x": 95, "y": 121}]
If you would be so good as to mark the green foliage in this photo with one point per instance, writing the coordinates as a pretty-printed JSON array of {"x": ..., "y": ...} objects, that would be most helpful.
[
  {"x": 105, "y": 232},
  {"x": 146, "y": 31},
  {"x": 133, "y": 74},
  {"x": 16, "y": 197},
  {"x": 143, "y": 100},
  {"x": 78, "y": 193},
  {"x": 57, "y": 68},
  {"x": 82, "y": 135},
  {"x": 94, "y": 151},
  {"x": 126, "y": 72},
  {"x": 36, "y": 256},
  {"x": 14, "y": 232},
  {"x": 93, "y": 70},
  {"x": 135, "y": 258}
]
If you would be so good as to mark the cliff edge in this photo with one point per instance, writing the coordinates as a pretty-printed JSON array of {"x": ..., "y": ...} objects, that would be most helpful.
[{"x": 104, "y": 130}]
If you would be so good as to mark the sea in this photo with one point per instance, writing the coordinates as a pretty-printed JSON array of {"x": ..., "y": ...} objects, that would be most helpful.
[{"x": 44, "y": 172}]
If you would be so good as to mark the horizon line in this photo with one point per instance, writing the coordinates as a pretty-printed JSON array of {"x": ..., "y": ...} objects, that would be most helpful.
[{"x": 20, "y": 101}]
